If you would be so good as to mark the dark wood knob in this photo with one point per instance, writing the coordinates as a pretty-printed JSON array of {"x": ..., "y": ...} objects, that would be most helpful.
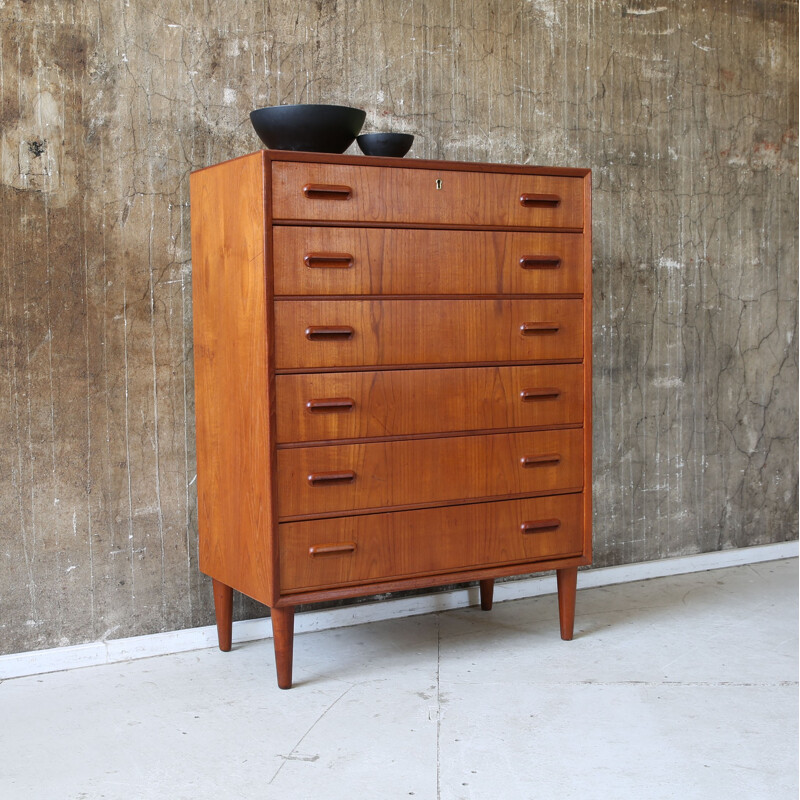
[
  {"x": 332, "y": 548},
  {"x": 534, "y": 328},
  {"x": 539, "y": 200},
  {"x": 540, "y": 461},
  {"x": 317, "y": 332},
  {"x": 540, "y": 525},
  {"x": 331, "y": 404},
  {"x": 539, "y": 262},
  {"x": 321, "y": 478},
  {"x": 328, "y": 260},
  {"x": 325, "y": 191},
  {"x": 539, "y": 394}
]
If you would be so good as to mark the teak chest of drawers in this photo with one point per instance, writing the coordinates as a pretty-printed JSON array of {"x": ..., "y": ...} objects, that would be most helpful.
[{"x": 392, "y": 378}]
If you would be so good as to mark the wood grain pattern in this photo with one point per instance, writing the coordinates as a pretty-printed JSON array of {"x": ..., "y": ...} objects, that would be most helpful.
[
  {"x": 391, "y": 261},
  {"x": 431, "y": 164},
  {"x": 406, "y": 402},
  {"x": 392, "y": 545},
  {"x": 411, "y": 196},
  {"x": 425, "y": 331},
  {"x": 234, "y": 441},
  {"x": 427, "y": 471},
  {"x": 427, "y": 581}
]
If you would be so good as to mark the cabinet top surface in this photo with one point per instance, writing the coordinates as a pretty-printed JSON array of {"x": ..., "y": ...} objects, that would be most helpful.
[{"x": 408, "y": 163}]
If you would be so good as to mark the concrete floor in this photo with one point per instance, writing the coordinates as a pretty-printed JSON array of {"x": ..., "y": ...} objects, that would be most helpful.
[{"x": 682, "y": 687}]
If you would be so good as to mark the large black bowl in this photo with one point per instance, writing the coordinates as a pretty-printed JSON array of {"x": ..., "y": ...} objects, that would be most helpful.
[{"x": 314, "y": 128}]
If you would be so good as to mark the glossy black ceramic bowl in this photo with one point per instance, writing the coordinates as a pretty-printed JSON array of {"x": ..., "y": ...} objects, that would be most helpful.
[
  {"x": 393, "y": 145},
  {"x": 314, "y": 128}
]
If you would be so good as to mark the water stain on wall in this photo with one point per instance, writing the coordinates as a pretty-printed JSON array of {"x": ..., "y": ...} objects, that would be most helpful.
[{"x": 687, "y": 116}]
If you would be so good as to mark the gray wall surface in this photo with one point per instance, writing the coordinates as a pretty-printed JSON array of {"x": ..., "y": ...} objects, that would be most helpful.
[{"x": 686, "y": 112}]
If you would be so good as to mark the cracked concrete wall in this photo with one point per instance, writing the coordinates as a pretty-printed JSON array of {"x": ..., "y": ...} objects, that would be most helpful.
[{"x": 686, "y": 114}]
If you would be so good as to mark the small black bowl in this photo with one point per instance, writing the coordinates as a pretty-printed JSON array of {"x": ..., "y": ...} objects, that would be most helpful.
[
  {"x": 309, "y": 127},
  {"x": 394, "y": 145}
]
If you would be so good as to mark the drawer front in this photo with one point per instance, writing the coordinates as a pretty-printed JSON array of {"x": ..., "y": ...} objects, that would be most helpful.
[
  {"x": 340, "y": 333},
  {"x": 343, "y": 478},
  {"x": 336, "y": 261},
  {"x": 346, "y": 193},
  {"x": 352, "y": 550},
  {"x": 351, "y": 405}
]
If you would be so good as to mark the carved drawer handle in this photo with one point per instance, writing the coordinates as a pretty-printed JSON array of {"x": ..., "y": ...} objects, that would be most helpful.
[
  {"x": 539, "y": 262},
  {"x": 331, "y": 404},
  {"x": 329, "y": 260},
  {"x": 540, "y": 200},
  {"x": 328, "y": 549},
  {"x": 317, "y": 332},
  {"x": 539, "y": 394},
  {"x": 343, "y": 476},
  {"x": 540, "y": 461},
  {"x": 532, "y": 328},
  {"x": 325, "y": 191},
  {"x": 540, "y": 525}
]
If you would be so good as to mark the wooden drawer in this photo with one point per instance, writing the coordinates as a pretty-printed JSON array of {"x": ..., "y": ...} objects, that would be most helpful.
[
  {"x": 351, "y": 405},
  {"x": 343, "y": 478},
  {"x": 336, "y": 261},
  {"x": 348, "y": 193},
  {"x": 374, "y": 547},
  {"x": 341, "y": 333}
]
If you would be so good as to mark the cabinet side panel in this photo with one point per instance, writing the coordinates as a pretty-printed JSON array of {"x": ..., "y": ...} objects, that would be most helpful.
[
  {"x": 587, "y": 363},
  {"x": 231, "y": 375}
]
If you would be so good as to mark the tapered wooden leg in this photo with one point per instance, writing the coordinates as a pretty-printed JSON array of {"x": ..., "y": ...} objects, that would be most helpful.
[
  {"x": 283, "y": 638},
  {"x": 223, "y": 609},
  {"x": 487, "y": 592},
  {"x": 567, "y": 585}
]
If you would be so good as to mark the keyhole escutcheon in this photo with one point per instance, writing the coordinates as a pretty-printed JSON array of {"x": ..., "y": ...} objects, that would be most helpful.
[{"x": 438, "y": 183}]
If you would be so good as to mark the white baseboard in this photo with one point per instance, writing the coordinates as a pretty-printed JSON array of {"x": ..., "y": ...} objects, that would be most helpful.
[{"x": 36, "y": 662}]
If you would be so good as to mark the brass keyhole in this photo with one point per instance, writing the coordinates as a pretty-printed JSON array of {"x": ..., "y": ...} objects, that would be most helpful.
[{"x": 438, "y": 183}]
